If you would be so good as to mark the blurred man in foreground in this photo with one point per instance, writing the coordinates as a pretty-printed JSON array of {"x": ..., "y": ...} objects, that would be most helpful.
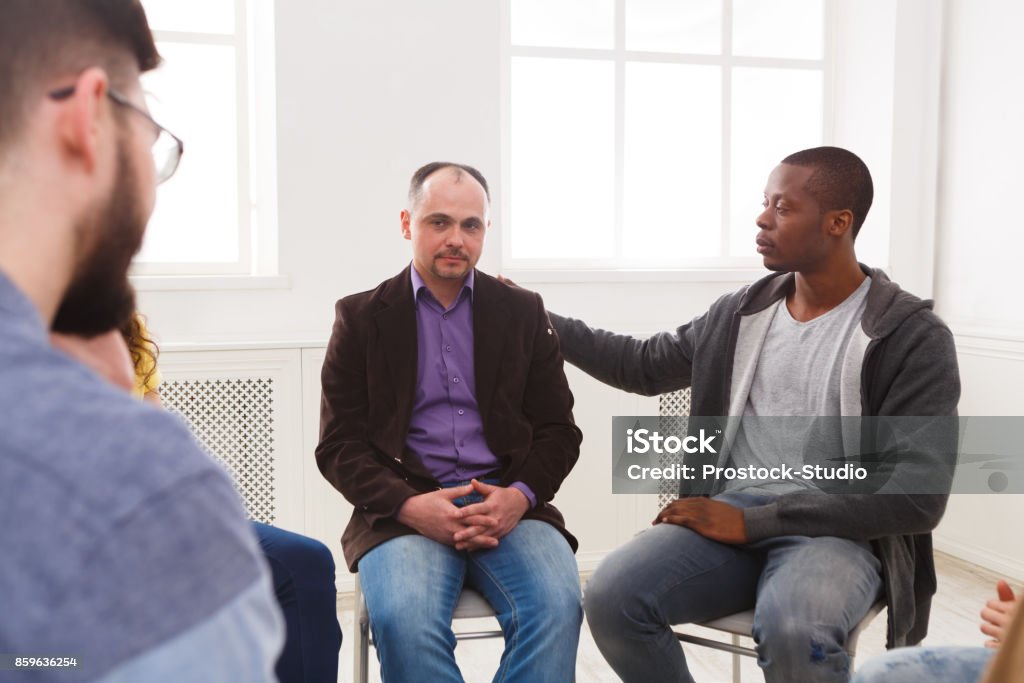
[{"x": 127, "y": 556}]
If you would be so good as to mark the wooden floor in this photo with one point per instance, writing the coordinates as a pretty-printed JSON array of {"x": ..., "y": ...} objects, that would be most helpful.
[{"x": 963, "y": 589}]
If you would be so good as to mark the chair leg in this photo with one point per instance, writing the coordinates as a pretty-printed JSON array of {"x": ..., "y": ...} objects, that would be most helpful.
[
  {"x": 361, "y": 668},
  {"x": 736, "y": 661}
]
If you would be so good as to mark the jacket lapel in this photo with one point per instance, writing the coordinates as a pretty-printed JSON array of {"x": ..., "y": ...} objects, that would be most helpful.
[
  {"x": 396, "y": 333},
  {"x": 490, "y": 326}
]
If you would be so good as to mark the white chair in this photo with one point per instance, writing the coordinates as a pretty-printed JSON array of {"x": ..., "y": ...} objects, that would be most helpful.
[
  {"x": 471, "y": 605},
  {"x": 675, "y": 406},
  {"x": 741, "y": 623}
]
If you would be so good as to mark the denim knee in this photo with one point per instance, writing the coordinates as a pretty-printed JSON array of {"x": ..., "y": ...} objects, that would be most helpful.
[
  {"x": 558, "y": 607},
  {"x": 314, "y": 558},
  {"x": 601, "y": 603},
  {"x": 613, "y": 605},
  {"x": 787, "y": 644},
  {"x": 304, "y": 558},
  {"x": 394, "y": 622},
  {"x": 787, "y": 636}
]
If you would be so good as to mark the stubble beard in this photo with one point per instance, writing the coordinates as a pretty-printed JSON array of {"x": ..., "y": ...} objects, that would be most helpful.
[{"x": 100, "y": 297}]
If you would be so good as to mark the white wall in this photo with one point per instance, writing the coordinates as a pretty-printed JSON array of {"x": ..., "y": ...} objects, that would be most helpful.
[
  {"x": 368, "y": 91},
  {"x": 979, "y": 249}
]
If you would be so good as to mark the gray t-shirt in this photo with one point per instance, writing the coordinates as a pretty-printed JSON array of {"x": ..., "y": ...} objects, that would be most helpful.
[
  {"x": 123, "y": 544},
  {"x": 798, "y": 376}
]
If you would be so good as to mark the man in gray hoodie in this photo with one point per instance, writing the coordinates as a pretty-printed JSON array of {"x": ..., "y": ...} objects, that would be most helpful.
[{"x": 822, "y": 336}]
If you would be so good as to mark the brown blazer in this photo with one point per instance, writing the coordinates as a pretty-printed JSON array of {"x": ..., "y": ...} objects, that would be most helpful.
[{"x": 369, "y": 379}]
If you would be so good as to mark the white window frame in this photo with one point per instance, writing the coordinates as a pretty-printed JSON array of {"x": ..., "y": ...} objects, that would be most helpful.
[
  {"x": 617, "y": 268},
  {"x": 256, "y": 144}
]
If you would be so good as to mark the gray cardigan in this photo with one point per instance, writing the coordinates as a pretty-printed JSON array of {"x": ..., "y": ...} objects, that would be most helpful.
[{"x": 903, "y": 363}]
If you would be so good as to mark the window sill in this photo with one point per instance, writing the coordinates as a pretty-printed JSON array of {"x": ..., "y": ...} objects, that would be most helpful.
[
  {"x": 532, "y": 276},
  {"x": 183, "y": 283}
]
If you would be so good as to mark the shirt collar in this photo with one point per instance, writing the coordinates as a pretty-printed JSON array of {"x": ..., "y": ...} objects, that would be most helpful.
[{"x": 418, "y": 283}]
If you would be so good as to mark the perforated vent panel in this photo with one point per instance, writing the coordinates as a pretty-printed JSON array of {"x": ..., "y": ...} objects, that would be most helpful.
[
  {"x": 674, "y": 410},
  {"x": 233, "y": 418}
]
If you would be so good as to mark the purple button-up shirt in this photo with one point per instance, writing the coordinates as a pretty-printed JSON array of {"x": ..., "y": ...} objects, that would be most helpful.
[{"x": 446, "y": 431}]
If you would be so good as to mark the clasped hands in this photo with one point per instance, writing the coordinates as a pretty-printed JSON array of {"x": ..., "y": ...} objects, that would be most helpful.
[{"x": 474, "y": 527}]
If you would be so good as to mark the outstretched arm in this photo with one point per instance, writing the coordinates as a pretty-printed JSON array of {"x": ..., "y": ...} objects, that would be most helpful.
[{"x": 648, "y": 367}]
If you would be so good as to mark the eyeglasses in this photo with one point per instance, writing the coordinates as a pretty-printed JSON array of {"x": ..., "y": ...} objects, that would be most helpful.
[{"x": 167, "y": 148}]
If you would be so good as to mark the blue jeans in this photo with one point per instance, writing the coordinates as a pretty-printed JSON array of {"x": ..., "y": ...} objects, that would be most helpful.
[
  {"x": 303, "y": 572},
  {"x": 807, "y": 594},
  {"x": 915, "y": 664},
  {"x": 411, "y": 585}
]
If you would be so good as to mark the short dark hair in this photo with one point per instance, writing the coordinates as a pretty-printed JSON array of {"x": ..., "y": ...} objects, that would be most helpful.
[
  {"x": 41, "y": 40},
  {"x": 840, "y": 181},
  {"x": 424, "y": 172}
]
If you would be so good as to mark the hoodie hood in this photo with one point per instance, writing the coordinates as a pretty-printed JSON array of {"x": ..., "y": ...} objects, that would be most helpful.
[{"x": 887, "y": 305}]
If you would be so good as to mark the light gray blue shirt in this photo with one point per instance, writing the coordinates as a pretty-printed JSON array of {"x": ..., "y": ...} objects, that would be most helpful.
[{"x": 123, "y": 545}]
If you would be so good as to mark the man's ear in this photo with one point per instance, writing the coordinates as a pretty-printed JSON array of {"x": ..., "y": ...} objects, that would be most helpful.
[
  {"x": 840, "y": 222},
  {"x": 79, "y": 119},
  {"x": 406, "y": 225}
]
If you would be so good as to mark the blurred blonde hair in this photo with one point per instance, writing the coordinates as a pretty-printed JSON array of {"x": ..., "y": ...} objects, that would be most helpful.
[{"x": 141, "y": 347}]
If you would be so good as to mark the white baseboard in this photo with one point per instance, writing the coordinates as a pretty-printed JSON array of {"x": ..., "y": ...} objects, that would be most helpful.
[
  {"x": 1003, "y": 565},
  {"x": 588, "y": 561},
  {"x": 344, "y": 581}
]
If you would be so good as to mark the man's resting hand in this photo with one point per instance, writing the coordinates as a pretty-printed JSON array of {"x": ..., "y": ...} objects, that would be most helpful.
[
  {"x": 710, "y": 518},
  {"x": 492, "y": 519},
  {"x": 435, "y": 516}
]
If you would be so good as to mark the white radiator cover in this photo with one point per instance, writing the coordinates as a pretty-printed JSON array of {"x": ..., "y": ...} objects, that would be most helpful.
[
  {"x": 674, "y": 409},
  {"x": 233, "y": 418}
]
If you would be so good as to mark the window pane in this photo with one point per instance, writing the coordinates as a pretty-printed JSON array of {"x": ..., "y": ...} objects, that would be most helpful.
[
  {"x": 196, "y": 217},
  {"x": 200, "y": 16},
  {"x": 775, "y": 112},
  {"x": 693, "y": 27},
  {"x": 781, "y": 28},
  {"x": 672, "y": 162},
  {"x": 564, "y": 23},
  {"x": 562, "y": 158}
]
